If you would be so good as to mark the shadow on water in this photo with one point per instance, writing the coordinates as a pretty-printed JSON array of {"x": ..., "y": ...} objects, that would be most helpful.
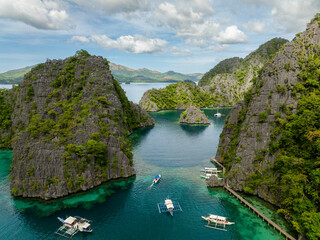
[
  {"x": 140, "y": 134},
  {"x": 84, "y": 200},
  {"x": 193, "y": 130}
]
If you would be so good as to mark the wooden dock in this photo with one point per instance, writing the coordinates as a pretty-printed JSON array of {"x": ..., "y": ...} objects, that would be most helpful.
[{"x": 246, "y": 203}]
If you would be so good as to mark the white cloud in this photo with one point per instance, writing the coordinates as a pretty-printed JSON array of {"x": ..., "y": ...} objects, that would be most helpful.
[
  {"x": 114, "y": 6},
  {"x": 44, "y": 14},
  {"x": 292, "y": 15},
  {"x": 180, "y": 52},
  {"x": 80, "y": 39},
  {"x": 255, "y": 26},
  {"x": 131, "y": 44},
  {"x": 231, "y": 35},
  {"x": 289, "y": 16}
]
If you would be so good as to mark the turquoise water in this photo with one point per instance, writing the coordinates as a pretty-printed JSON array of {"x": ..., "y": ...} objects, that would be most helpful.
[{"x": 128, "y": 209}]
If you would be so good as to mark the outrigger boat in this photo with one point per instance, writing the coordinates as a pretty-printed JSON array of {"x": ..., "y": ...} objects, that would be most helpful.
[
  {"x": 169, "y": 206},
  {"x": 72, "y": 225},
  {"x": 208, "y": 172},
  {"x": 219, "y": 222},
  {"x": 156, "y": 178}
]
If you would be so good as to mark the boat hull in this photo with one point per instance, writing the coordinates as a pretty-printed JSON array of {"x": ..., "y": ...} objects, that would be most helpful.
[{"x": 213, "y": 220}]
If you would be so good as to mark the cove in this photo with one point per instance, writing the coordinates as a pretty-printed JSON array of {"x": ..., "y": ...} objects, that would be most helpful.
[{"x": 127, "y": 209}]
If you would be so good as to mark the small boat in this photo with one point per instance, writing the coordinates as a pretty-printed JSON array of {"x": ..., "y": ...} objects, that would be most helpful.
[
  {"x": 72, "y": 225},
  {"x": 208, "y": 175},
  {"x": 217, "y": 114},
  {"x": 156, "y": 178},
  {"x": 218, "y": 221},
  {"x": 169, "y": 206}
]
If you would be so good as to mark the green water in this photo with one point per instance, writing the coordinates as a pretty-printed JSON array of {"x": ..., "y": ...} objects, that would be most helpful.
[{"x": 128, "y": 209}]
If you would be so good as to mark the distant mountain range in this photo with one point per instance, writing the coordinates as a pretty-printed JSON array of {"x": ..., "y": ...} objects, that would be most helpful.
[{"x": 121, "y": 73}]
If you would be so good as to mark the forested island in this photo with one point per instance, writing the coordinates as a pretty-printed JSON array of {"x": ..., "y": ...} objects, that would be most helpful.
[{"x": 68, "y": 123}]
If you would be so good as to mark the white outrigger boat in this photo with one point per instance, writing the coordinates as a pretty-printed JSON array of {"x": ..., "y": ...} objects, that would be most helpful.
[
  {"x": 156, "y": 178},
  {"x": 208, "y": 172},
  {"x": 219, "y": 222},
  {"x": 72, "y": 225},
  {"x": 169, "y": 206}
]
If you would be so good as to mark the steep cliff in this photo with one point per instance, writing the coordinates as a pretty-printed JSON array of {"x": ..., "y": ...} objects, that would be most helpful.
[
  {"x": 231, "y": 78},
  {"x": 224, "y": 85},
  {"x": 270, "y": 143},
  {"x": 71, "y": 121}
]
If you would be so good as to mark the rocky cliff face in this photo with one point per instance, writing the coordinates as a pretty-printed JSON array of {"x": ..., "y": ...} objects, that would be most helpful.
[
  {"x": 231, "y": 78},
  {"x": 71, "y": 122},
  {"x": 193, "y": 115},
  {"x": 268, "y": 142}
]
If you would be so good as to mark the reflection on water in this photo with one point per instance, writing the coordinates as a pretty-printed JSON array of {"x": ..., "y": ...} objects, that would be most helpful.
[{"x": 193, "y": 129}]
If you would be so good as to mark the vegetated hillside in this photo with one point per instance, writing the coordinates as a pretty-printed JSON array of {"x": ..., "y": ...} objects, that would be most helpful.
[
  {"x": 14, "y": 76},
  {"x": 6, "y": 109},
  {"x": 71, "y": 120},
  {"x": 124, "y": 74},
  {"x": 231, "y": 78},
  {"x": 176, "y": 96},
  {"x": 270, "y": 143},
  {"x": 120, "y": 73}
]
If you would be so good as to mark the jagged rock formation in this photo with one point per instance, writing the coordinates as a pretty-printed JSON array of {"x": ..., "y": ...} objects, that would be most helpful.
[
  {"x": 178, "y": 96},
  {"x": 224, "y": 85},
  {"x": 71, "y": 121},
  {"x": 231, "y": 78},
  {"x": 214, "y": 181},
  {"x": 193, "y": 115},
  {"x": 269, "y": 143}
]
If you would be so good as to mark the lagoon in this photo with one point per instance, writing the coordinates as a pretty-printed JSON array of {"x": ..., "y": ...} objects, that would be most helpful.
[{"x": 127, "y": 209}]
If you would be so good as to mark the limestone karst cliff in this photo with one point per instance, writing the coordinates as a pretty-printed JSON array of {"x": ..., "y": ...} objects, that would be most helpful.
[
  {"x": 231, "y": 78},
  {"x": 270, "y": 142},
  {"x": 224, "y": 85},
  {"x": 71, "y": 120},
  {"x": 193, "y": 115}
]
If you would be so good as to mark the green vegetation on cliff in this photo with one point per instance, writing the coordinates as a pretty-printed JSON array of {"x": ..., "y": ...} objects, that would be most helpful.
[
  {"x": 271, "y": 142},
  {"x": 176, "y": 96},
  {"x": 231, "y": 78},
  {"x": 228, "y": 65},
  {"x": 6, "y": 110},
  {"x": 297, "y": 166},
  {"x": 71, "y": 122}
]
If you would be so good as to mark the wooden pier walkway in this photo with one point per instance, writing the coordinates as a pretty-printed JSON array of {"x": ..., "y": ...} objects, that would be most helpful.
[{"x": 246, "y": 203}]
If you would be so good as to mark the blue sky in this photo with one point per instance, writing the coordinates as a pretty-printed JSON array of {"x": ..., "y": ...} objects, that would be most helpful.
[{"x": 187, "y": 36}]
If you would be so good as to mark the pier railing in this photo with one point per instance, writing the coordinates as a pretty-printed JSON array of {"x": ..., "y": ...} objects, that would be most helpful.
[{"x": 246, "y": 203}]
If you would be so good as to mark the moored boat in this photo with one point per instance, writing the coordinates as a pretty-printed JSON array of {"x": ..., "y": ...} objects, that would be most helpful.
[
  {"x": 217, "y": 219},
  {"x": 72, "y": 225}
]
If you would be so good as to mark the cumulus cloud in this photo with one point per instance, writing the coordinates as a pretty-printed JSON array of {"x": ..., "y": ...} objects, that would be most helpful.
[
  {"x": 255, "y": 26},
  {"x": 231, "y": 35},
  {"x": 44, "y": 14},
  {"x": 131, "y": 44}
]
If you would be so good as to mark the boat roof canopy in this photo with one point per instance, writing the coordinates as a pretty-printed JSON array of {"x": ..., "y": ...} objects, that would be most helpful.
[
  {"x": 70, "y": 220},
  {"x": 157, "y": 176},
  {"x": 218, "y": 217}
]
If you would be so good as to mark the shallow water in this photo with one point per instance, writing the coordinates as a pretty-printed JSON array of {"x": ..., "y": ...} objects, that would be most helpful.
[{"x": 128, "y": 209}]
